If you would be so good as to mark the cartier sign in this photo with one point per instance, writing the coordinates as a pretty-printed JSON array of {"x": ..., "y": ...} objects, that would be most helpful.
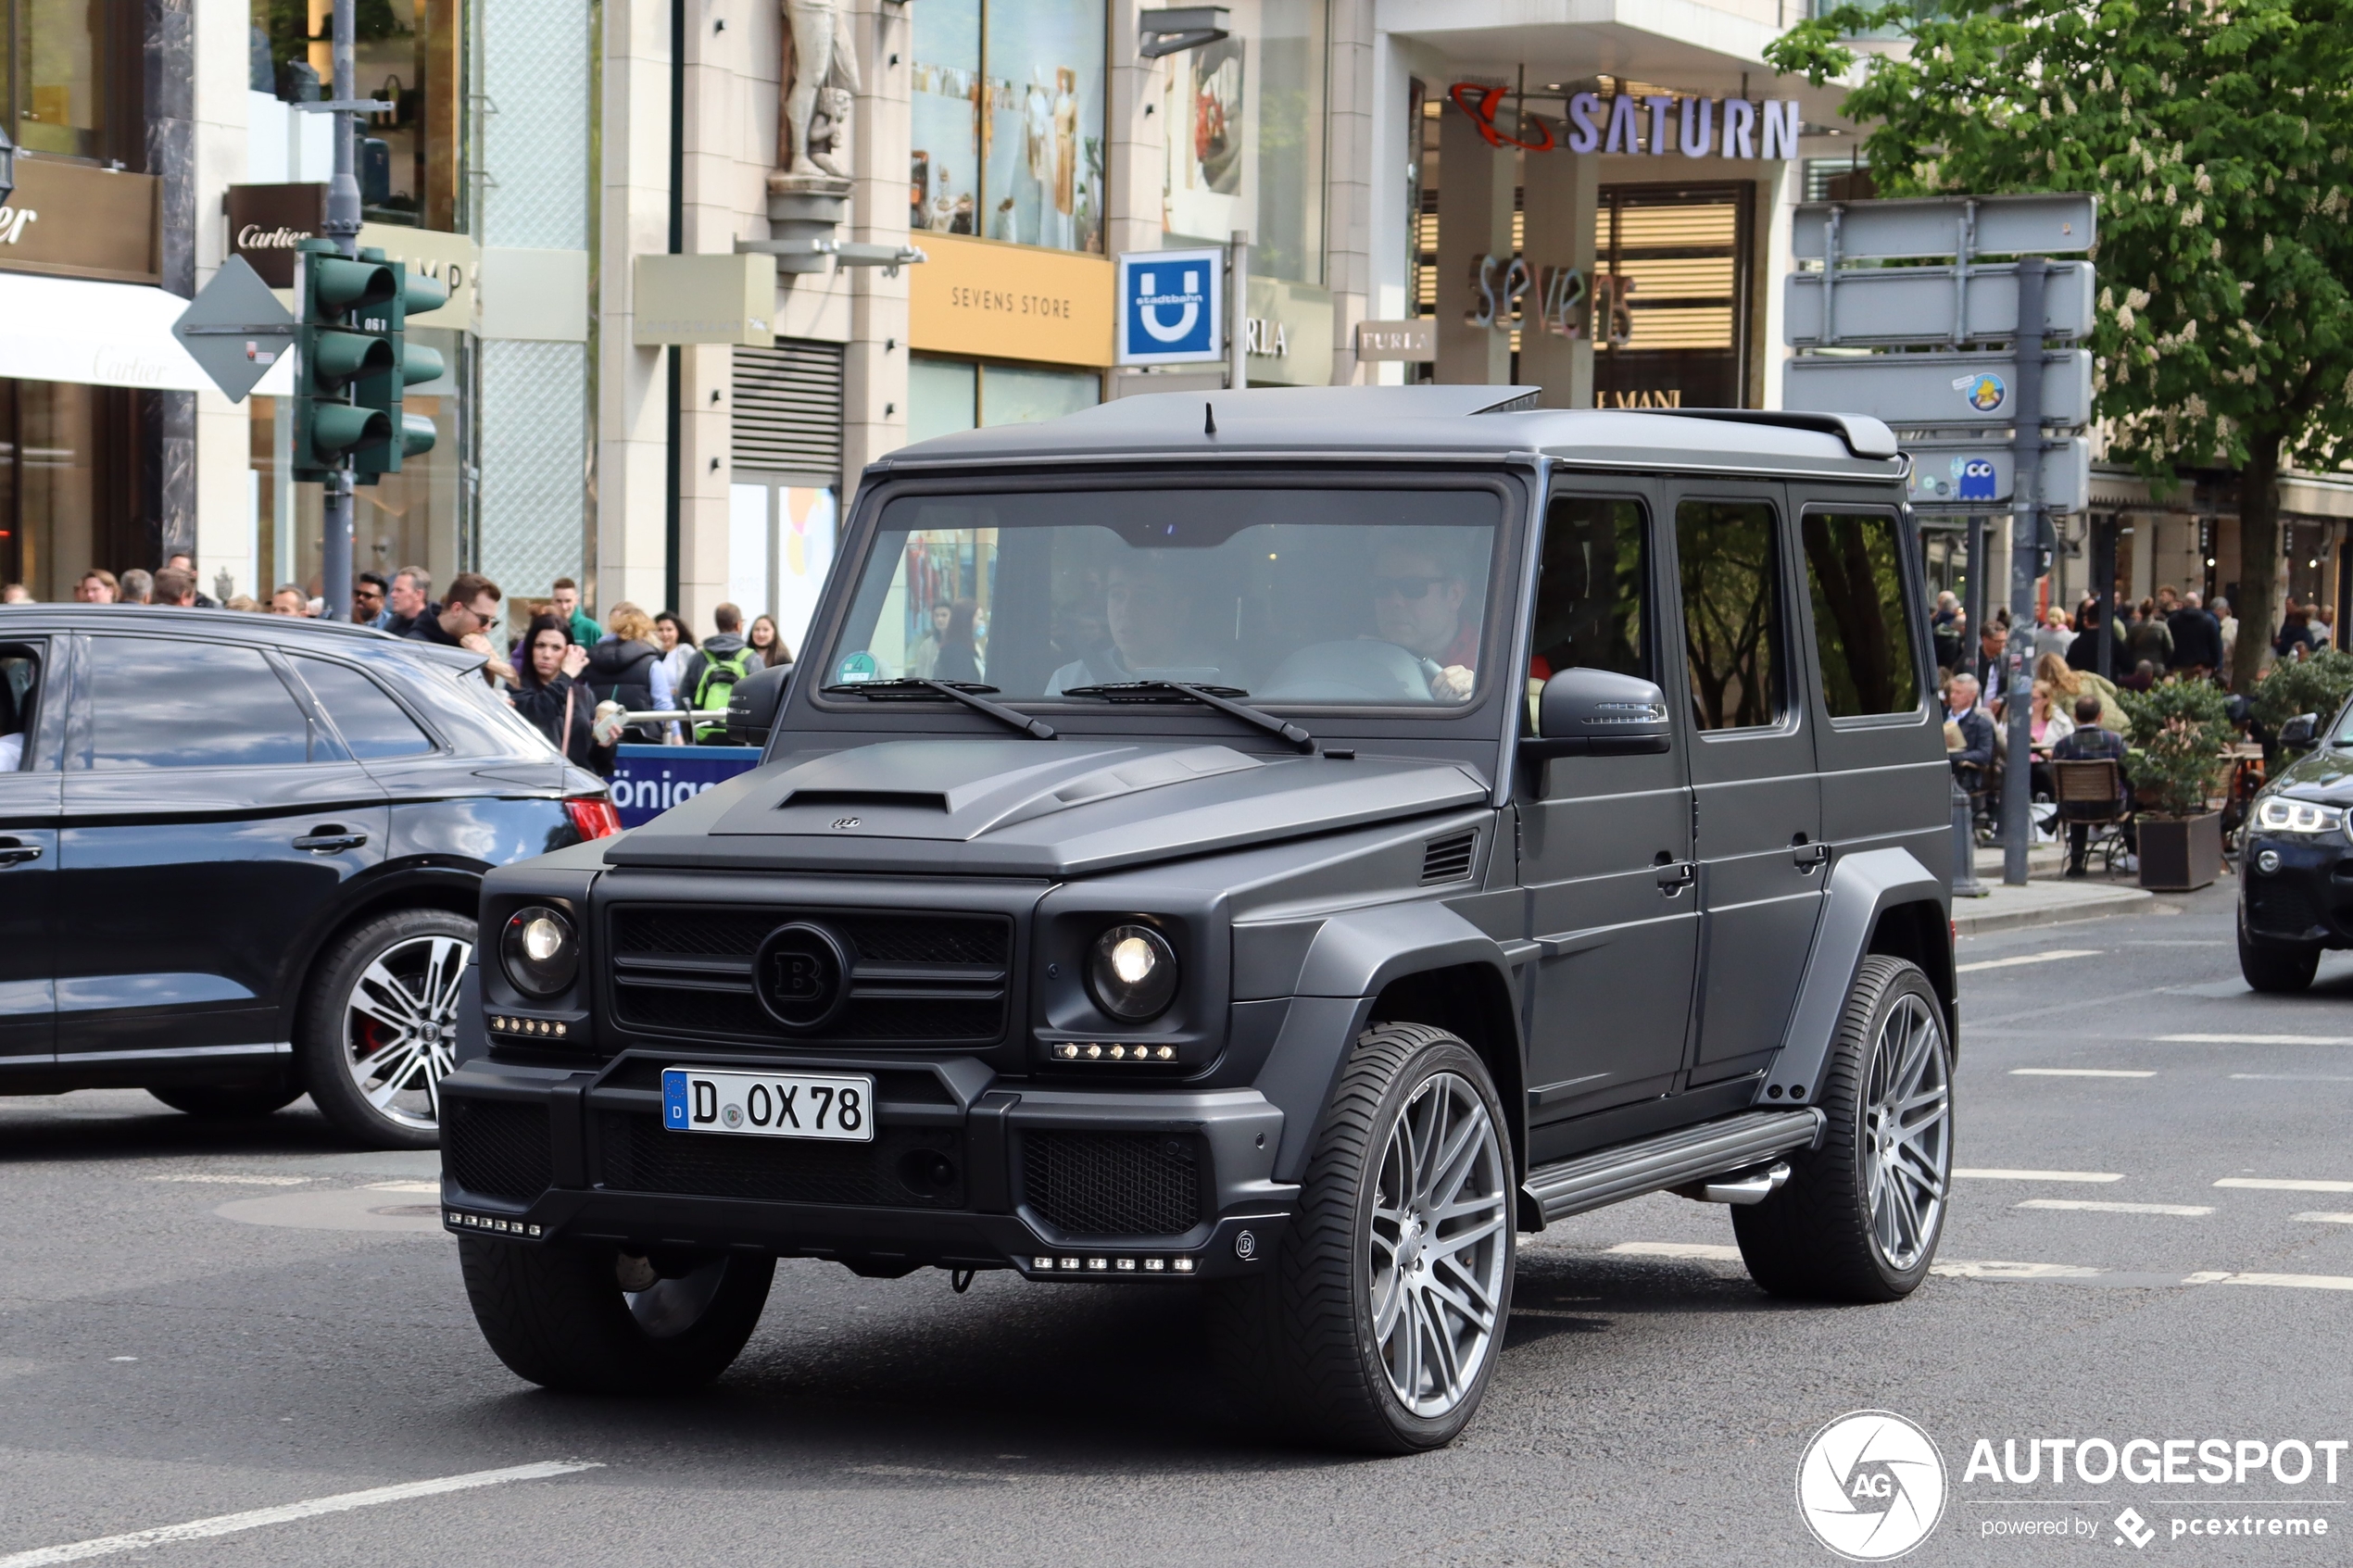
[
  {"x": 266, "y": 221},
  {"x": 77, "y": 221}
]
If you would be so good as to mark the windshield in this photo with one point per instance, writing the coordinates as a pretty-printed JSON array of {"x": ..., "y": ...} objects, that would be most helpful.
[{"x": 1340, "y": 595}]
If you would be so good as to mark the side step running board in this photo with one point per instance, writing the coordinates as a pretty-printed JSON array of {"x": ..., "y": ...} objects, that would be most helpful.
[{"x": 1687, "y": 1154}]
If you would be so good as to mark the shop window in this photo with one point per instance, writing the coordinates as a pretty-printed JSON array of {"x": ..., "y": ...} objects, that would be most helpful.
[
  {"x": 72, "y": 86},
  {"x": 1682, "y": 257},
  {"x": 405, "y": 56},
  {"x": 948, "y": 395},
  {"x": 1244, "y": 138},
  {"x": 1008, "y": 120},
  {"x": 943, "y": 397}
]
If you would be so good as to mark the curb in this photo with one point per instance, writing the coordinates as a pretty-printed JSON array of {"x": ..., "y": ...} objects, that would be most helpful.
[{"x": 1969, "y": 923}]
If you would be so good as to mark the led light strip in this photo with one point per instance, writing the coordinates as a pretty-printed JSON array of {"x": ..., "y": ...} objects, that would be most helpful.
[
  {"x": 1112, "y": 1265},
  {"x": 532, "y": 1026},
  {"x": 490, "y": 1222},
  {"x": 1070, "y": 1050}
]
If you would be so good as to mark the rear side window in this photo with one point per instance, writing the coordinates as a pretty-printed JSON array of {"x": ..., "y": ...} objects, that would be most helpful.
[
  {"x": 19, "y": 686},
  {"x": 477, "y": 721},
  {"x": 158, "y": 703},
  {"x": 1727, "y": 555},
  {"x": 1592, "y": 590},
  {"x": 372, "y": 724},
  {"x": 1854, "y": 566}
]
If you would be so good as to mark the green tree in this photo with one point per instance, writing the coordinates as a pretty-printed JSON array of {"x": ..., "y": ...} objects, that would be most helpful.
[{"x": 2216, "y": 136}]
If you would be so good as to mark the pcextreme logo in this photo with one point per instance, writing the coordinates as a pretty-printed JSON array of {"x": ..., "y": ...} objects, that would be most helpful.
[{"x": 1870, "y": 1485}]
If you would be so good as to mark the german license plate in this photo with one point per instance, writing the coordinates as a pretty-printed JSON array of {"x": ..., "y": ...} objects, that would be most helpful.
[{"x": 840, "y": 1107}]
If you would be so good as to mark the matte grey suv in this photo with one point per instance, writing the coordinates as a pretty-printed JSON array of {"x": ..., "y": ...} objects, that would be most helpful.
[{"x": 1290, "y": 843}]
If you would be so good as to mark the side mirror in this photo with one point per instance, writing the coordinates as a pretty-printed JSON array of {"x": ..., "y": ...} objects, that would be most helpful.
[
  {"x": 753, "y": 702},
  {"x": 2299, "y": 730},
  {"x": 1599, "y": 713}
]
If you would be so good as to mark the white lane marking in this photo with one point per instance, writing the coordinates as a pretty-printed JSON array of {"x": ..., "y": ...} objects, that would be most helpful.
[
  {"x": 2256, "y": 1039},
  {"x": 1713, "y": 1251},
  {"x": 284, "y": 1513},
  {"x": 237, "y": 1181},
  {"x": 2094, "y": 1207},
  {"x": 2293, "y": 1077},
  {"x": 2324, "y": 1217},
  {"x": 1995, "y": 1173},
  {"x": 2288, "y": 1282},
  {"x": 2052, "y": 957},
  {"x": 1962, "y": 1268},
  {"x": 2277, "y": 1183},
  {"x": 2076, "y": 1073},
  {"x": 404, "y": 1187}
]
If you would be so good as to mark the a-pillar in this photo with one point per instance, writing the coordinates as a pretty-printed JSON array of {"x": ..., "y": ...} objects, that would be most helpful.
[
  {"x": 1561, "y": 192},
  {"x": 1474, "y": 182}
]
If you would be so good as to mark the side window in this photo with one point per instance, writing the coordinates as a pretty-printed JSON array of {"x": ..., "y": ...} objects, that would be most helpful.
[
  {"x": 1854, "y": 570},
  {"x": 1591, "y": 588},
  {"x": 161, "y": 703},
  {"x": 19, "y": 688},
  {"x": 1728, "y": 557},
  {"x": 372, "y": 724}
]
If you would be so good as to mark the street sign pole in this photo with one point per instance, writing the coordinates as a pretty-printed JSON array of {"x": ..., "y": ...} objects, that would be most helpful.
[
  {"x": 342, "y": 226},
  {"x": 2025, "y": 544}
]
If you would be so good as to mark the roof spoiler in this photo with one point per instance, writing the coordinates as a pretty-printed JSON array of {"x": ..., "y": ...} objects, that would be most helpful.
[{"x": 1865, "y": 436}]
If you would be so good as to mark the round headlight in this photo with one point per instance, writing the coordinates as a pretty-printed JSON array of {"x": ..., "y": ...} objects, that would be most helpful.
[
  {"x": 539, "y": 951},
  {"x": 1133, "y": 972}
]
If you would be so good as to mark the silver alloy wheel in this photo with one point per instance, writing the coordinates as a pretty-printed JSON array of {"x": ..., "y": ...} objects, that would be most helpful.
[
  {"x": 400, "y": 1027},
  {"x": 1907, "y": 1132},
  {"x": 1438, "y": 1245}
]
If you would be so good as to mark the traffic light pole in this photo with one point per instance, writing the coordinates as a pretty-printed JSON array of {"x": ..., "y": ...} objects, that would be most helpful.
[
  {"x": 2018, "y": 653},
  {"x": 341, "y": 227}
]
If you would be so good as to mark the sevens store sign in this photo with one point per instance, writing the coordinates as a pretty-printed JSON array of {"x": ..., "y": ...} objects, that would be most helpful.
[{"x": 1657, "y": 124}]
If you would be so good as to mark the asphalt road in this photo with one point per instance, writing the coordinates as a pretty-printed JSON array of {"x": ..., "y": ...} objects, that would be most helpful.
[{"x": 197, "y": 1322}]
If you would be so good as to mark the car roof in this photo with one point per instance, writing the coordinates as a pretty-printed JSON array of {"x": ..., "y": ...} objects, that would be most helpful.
[
  {"x": 286, "y": 631},
  {"x": 1410, "y": 422}
]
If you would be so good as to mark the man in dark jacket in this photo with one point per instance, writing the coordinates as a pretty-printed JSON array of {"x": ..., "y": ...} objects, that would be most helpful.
[
  {"x": 1973, "y": 764},
  {"x": 2197, "y": 638},
  {"x": 468, "y": 612},
  {"x": 2089, "y": 742},
  {"x": 714, "y": 670}
]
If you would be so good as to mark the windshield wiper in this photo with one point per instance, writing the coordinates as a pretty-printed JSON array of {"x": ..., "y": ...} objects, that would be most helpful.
[
  {"x": 1219, "y": 697},
  {"x": 917, "y": 689}
]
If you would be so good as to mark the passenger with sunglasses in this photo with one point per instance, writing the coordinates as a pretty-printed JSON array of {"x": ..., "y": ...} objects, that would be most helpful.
[{"x": 1418, "y": 603}]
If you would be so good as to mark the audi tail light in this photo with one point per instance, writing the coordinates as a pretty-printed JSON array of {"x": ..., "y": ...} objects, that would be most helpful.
[{"x": 593, "y": 816}]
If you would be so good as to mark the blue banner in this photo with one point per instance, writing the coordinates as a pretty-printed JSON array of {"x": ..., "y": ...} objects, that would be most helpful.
[
  {"x": 650, "y": 780},
  {"x": 1171, "y": 307}
]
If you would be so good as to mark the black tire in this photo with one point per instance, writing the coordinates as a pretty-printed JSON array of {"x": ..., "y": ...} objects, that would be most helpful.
[
  {"x": 558, "y": 1315},
  {"x": 228, "y": 1102},
  {"x": 422, "y": 945},
  {"x": 1820, "y": 1236},
  {"x": 2277, "y": 968},
  {"x": 1300, "y": 1345}
]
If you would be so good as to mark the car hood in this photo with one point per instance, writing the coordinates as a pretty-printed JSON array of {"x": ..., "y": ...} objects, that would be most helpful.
[
  {"x": 1014, "y": 808},
  {"x": 2325, "y": 774}
]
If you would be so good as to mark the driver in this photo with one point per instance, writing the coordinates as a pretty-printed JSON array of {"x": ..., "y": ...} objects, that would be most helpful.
[
  {"x": 1147, "y": 609},
  {"x": 1418, "y": 598}
]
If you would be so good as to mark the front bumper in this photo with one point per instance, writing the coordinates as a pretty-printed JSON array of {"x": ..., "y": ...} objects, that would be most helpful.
[
  {"x": 2308, "y": 899},
  {"x": 1058, "y": 1183}
]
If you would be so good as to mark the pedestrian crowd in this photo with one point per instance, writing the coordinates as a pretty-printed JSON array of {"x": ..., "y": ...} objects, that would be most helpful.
[
  {"x": 570, "y": 676},
  {"x": 2077, "y": 713}
]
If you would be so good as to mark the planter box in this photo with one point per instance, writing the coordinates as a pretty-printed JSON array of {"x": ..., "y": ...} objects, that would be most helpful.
[{"x": 2181, "y": 853}]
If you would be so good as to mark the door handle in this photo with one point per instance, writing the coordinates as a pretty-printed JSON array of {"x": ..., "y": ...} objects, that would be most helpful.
[
  {"x": 1673, "y": 879},
  {"x": 329, "y": 839},
  {"x": 1810, "y": 857},
  {"x": 14, "y": 852}
]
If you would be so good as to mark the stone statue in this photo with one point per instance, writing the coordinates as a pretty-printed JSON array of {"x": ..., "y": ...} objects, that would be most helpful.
[{"x": 820, "y": 79}]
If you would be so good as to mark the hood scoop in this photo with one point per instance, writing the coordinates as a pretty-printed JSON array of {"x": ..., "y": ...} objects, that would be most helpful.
[{"x": 963, "y": 789}]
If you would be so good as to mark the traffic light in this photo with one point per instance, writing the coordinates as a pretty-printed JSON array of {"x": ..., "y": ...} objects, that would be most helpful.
[
  {"x": 405, "y": 434},
  {"x": 334, "y": 352}
]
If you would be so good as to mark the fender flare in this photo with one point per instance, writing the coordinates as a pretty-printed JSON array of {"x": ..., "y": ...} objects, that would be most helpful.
[
  {"x": 1863, "y": 886},
  {"x": 1353, "y": 957}
]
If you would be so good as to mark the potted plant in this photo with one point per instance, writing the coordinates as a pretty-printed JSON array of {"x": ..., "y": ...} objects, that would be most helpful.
[
  {"x": 2181, "y": 738},
  {"x": 2319, "y": 684}
]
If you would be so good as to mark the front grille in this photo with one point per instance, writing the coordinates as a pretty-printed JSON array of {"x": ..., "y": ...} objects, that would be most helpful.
[
  {"x": 904, "y": 1167},
  {"x": 2281, "y": 904},
  {"x": 1113, "y": 1184},
  {"x": 497, "y": 1149},
  {"x": 915, "y": 977}
]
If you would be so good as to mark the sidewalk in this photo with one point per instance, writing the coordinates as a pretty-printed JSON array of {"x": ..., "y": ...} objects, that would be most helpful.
[{"x": 2046, "y": 898}]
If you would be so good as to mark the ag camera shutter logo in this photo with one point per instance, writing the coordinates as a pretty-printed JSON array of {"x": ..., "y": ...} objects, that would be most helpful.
[
  {"x": 1871, "y": 1486},
  {"x": 1172, "y": 307}
]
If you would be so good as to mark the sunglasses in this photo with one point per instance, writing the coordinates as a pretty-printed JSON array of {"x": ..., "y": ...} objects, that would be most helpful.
[{"x": 1407, "y": 588}]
